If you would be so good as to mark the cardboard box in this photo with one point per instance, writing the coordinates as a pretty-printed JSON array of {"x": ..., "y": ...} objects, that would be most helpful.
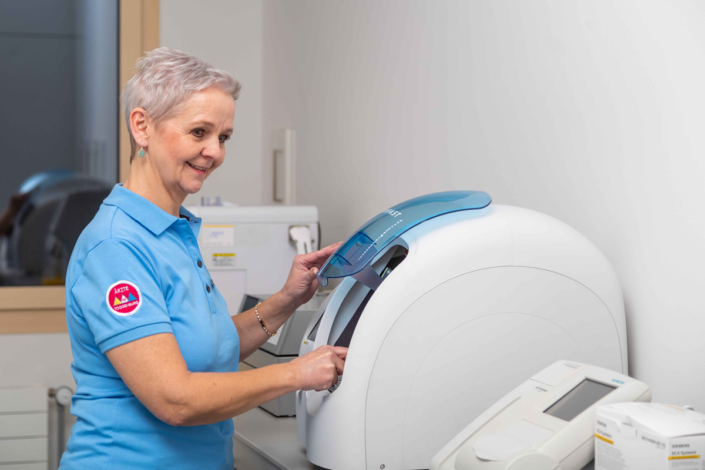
[{"x": 649, "y": 436}]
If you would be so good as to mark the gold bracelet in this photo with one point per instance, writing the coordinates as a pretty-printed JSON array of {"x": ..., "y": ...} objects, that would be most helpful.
[{"x": 261, "y": 322}]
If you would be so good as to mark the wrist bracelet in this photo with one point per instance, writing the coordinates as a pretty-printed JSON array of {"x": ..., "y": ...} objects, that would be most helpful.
[{"x": 261, "y": 322}]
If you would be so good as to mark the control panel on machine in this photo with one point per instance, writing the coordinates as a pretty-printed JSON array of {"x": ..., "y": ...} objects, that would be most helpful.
[{"x": 547, "y": 423}]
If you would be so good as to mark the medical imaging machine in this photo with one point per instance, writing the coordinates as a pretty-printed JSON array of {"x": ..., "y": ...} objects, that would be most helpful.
[{"x": 447, "y": 303}]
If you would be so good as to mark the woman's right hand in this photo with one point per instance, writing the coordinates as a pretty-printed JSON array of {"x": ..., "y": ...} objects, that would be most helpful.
[{"x": 319, "y": 369}]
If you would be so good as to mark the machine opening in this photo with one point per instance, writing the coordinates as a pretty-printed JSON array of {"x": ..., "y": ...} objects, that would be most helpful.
[
  {"x": 346, "y": 336},
  {"x": 314, "y": 331}
]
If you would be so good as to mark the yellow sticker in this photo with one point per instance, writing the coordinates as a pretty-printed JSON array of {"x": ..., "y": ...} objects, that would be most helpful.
[
  {"x": 223, "y": 260},
  {"x": 609, "y": 441}
]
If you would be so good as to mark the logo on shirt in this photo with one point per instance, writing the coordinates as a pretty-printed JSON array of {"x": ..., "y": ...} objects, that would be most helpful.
[{"x": 123, "y": 298}]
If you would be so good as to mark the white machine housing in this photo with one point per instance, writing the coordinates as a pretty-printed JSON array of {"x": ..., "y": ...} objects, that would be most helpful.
[
  {"x": 482, "y": 298},
  {"x": 249, "y": 249},
  {"x": 547, "y": 423}
]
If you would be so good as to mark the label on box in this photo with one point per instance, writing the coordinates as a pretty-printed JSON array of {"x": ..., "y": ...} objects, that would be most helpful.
[
  {"x": 622, "y": 447},
  {"x": 684, "y": 452}
]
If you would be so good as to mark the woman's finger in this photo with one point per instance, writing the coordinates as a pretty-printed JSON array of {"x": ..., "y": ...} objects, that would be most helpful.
[
  {"x": 332, "y": 247},
  {"x": 323, "y": 253},
  {"x": 340, "y": 351},
  {"x": 318, "y": 257},
  {"x": 312, "y": 289},
  {"x": 310, "y": 275},
  {"x": 339, "y": 364}
]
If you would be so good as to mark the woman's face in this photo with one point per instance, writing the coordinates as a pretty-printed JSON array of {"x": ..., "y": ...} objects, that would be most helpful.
[{"x": 186, "y": 148}]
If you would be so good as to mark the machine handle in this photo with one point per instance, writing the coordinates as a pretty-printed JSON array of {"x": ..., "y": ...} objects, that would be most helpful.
[
  {"x": 301, "y": 235},
  {"x": 314, "y": 400}
]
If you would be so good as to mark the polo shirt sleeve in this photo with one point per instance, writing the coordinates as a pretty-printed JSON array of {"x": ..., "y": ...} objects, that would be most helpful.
[{"x": 119, "y": 295}]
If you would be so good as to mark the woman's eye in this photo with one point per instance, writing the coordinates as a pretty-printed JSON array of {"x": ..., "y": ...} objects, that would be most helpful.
[
  {"x": 223, "y": 138},
  {"x": 198, "y": 132}
]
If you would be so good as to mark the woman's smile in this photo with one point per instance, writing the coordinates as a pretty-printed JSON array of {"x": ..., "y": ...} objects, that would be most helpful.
[{"x": 201, "y": 170}]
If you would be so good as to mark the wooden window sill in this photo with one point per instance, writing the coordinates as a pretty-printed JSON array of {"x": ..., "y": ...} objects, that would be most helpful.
[{"x": 27, "y": 310}]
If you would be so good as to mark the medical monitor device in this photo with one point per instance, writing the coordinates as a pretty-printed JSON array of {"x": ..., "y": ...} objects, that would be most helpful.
[
  {"x": 446, "y": 301},
  {"x": 249, "y": 301},
  {"x": 547, "y": 423},
  {"x": 250, "y": 249}
]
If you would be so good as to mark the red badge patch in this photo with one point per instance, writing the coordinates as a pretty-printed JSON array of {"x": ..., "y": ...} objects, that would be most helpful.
[{"x": 123, "y": 298}]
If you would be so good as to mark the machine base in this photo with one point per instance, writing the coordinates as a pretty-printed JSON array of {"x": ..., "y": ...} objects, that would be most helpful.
[{"x": 263, "y": 442}]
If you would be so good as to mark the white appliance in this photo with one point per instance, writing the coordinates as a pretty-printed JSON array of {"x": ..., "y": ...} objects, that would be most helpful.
[
  {"x": 250, "y": 249},
  {"x": 471, "y": 296},
  {"x": 547, "y": 423}
]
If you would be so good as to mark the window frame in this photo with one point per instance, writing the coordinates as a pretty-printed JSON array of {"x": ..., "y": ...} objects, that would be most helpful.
[{"x": 42, "y": 309}]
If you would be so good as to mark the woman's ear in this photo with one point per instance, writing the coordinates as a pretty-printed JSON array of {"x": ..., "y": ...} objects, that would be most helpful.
[{"x": 139, "y": 125}]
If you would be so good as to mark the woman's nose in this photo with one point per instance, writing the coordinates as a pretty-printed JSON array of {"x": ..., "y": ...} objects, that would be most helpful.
[{"x": 213, "y": 149}]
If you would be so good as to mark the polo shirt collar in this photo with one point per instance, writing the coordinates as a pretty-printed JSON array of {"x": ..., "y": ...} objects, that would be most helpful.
[{"x": 142, "y": 210}]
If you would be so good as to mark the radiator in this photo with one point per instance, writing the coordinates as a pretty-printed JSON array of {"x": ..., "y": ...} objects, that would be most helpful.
[{"x": 24, "y": 422}]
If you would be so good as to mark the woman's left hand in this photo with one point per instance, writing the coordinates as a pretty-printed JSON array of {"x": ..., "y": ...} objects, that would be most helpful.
[{"x": 302, "y": 283}]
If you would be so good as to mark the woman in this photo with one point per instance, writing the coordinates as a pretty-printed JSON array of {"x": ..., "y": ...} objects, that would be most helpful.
[{"x": 155, "y": 351}]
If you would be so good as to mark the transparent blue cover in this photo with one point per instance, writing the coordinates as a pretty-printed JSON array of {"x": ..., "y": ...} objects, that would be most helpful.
[{"x": 375, "y": 235}]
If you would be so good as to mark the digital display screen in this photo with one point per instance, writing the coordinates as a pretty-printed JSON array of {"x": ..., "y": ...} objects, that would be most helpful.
[
  {"x": 582, "y": 397},
  {"x": 249, "y": 303}
]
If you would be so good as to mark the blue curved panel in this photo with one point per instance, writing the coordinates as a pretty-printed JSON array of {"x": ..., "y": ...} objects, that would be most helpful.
[{"x": 357, "y": 252}]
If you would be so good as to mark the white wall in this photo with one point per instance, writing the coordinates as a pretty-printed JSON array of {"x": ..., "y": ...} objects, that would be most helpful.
[
  {"x": 227, "y": 34},
  {"x": 591, "y": 112},
  {"x": 41, "y": 360}
]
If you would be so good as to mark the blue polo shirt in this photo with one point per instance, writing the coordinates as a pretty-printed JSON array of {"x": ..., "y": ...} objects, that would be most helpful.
[{"x": 137, "y": 271}]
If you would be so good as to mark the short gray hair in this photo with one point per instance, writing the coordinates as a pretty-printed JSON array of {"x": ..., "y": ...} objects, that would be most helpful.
[{"x": 167, "y": 77}]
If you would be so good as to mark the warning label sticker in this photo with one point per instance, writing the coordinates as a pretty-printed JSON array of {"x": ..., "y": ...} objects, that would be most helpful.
[{"x": 224, "y": 260}]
